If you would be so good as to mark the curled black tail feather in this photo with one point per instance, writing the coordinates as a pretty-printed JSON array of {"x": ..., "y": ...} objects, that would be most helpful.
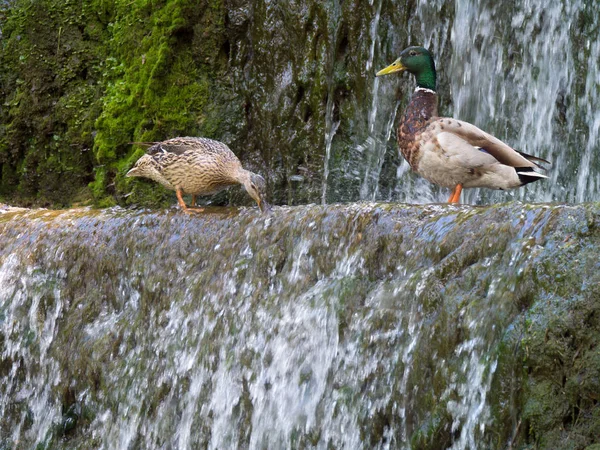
[{"x": 534, "y": 159}]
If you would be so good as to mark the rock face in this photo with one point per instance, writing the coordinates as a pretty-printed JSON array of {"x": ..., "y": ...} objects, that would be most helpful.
[
  {"x": 274, "y": 81},
  {"x": 357, "y": 326},
  {"x": 290, "y": 87}
]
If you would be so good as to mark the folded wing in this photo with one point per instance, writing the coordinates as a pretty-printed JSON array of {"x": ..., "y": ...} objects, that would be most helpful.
[{"x": 475, "y": 137}]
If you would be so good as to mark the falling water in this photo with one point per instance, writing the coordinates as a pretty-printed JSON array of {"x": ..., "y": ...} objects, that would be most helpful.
[
  {"x": 379, "y": 129},
  {"x": 331, "y": 127},
  {"x": 320, "y": 325},
  {"x": 588, "y": 180},
  {"x": 533, "y": 49}
]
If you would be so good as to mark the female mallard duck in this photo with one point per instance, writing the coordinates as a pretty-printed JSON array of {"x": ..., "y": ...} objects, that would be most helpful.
[
  {"x": 197, "y": 166},
  {"x": 449, "y": 152}
]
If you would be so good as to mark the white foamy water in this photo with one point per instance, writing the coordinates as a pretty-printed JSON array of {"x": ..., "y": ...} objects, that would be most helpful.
[{"x": 321, "y": 325}]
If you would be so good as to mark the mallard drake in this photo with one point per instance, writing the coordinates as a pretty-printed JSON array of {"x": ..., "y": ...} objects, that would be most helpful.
[
  {"x": 197, "y": 166},
  {"x": 449, "y": 152}
]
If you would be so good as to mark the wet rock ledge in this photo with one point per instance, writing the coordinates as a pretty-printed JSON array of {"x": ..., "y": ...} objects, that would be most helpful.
[{"x": 358, "y": 325}]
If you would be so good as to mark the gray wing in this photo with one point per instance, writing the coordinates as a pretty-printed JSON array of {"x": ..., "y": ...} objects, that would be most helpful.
[
  {"x": 462, "y": 153},
  {"x": 476, "y": 138}
]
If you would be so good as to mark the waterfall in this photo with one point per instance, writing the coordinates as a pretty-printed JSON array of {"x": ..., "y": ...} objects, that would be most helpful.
[
  {"x": 521, "y": 82},
  {"x": 358, "y": 326},
  {"x": 331, "y": 127},
  {"x": 588, "y": 180}
]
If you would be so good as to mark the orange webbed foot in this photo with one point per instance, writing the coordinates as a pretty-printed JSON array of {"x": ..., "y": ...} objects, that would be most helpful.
[{"x": 193, "y": 210}]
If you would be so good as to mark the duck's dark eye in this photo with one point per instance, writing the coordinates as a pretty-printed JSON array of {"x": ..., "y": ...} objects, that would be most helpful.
[{"x": 412, "y": 53}]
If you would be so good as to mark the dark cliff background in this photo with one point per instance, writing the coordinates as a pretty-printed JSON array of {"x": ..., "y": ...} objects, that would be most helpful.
[{"x": 80, "y": 80}]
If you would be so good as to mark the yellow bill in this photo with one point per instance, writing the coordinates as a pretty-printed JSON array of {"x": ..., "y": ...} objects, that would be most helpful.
[{"x": 396, "y": 66}]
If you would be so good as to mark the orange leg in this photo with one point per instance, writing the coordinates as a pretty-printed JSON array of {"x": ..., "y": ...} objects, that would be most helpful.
[
  {"x": 186, "y": 209},
  {"x": 193, "y": 207},
  {"x": 455, "y": 196},
  {"x": 179, "y": 193}
]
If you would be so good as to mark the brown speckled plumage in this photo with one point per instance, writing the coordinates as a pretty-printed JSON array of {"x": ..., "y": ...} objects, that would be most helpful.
[
  {"x": 448, "y": 152},
  {"x": 197, "y": 166}
]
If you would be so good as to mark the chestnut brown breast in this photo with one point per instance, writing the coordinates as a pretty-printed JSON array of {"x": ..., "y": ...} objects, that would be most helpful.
[{"x": 417, "y": 116}]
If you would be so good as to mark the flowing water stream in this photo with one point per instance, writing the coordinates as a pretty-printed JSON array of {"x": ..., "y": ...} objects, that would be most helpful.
[{"x": 359, "y": 326}]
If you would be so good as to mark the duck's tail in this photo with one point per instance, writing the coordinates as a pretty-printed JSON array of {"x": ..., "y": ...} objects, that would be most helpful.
[
  {"x": 146, "y": 144},
  {"x": 528, "y": 175},
  {"x": 534, "y": 159}
]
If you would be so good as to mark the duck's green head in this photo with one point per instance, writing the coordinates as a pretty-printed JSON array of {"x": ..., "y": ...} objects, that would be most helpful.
[{"x": 419, "y": 62}]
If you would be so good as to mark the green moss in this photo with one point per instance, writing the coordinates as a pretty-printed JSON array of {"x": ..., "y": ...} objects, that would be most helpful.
[
  {"x": 51, "y": 85},
  {"x": 155, "y": 88},
  {"x": 81, "y": 80}
]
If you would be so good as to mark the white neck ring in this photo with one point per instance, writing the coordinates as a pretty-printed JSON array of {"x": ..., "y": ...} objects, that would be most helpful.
[{"x": 422, "y": 89}]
